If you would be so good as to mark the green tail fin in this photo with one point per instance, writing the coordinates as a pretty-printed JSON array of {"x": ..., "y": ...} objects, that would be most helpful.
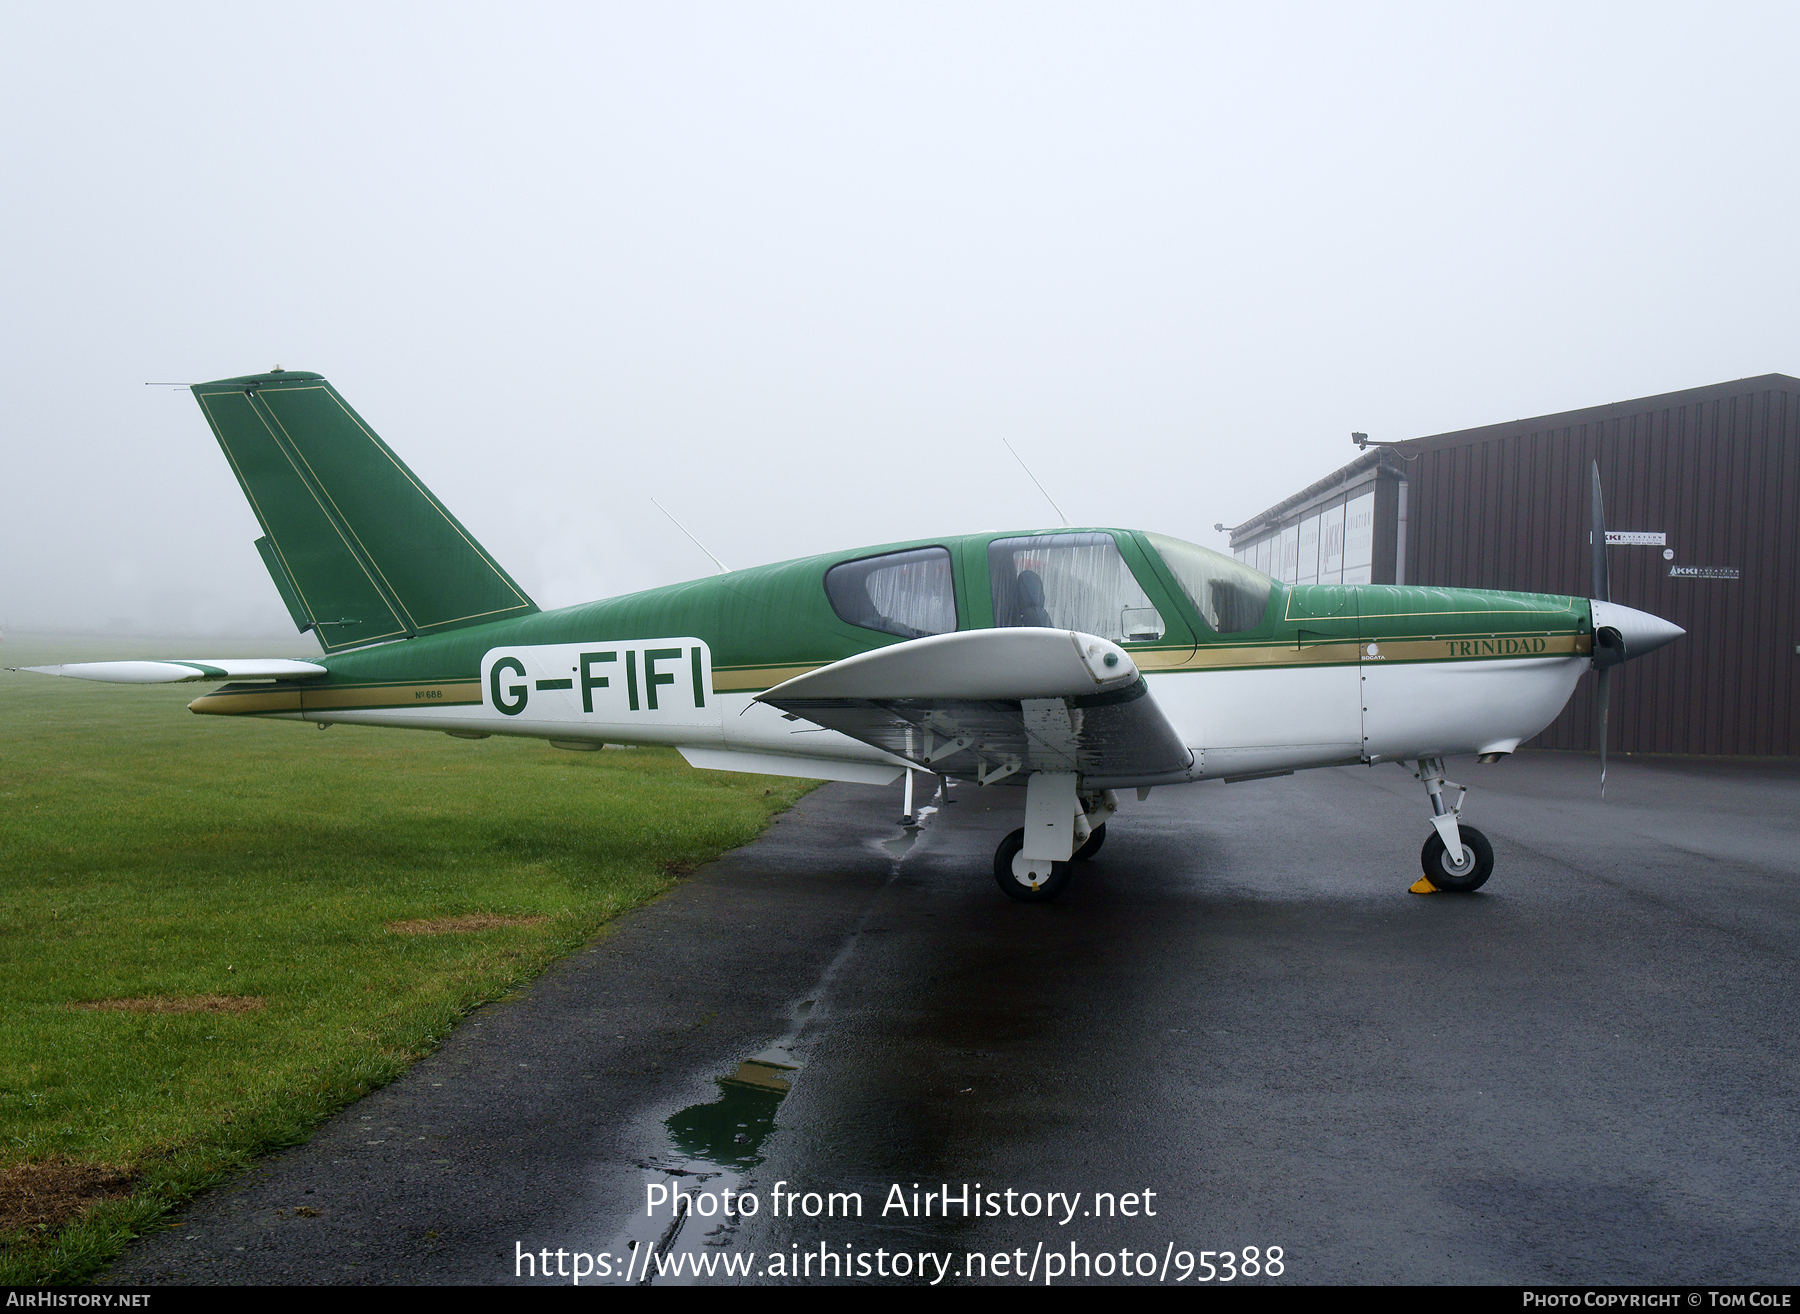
[{"x": 359, "y": 548}]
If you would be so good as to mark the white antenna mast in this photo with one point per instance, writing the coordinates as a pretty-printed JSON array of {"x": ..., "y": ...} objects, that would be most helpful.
[
  {"x": 723, "y": 568},
  {"x": 1040, "y": 487}
]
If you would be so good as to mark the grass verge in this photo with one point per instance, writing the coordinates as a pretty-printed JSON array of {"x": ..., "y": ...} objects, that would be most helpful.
[{"x": 218, "y": 931}]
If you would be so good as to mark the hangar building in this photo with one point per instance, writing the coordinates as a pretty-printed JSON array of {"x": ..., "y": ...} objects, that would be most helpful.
[{"x": 1702, "y": 492}]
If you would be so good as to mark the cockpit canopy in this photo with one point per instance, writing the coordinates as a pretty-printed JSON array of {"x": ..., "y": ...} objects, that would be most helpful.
[{"x": 1070, "y": 581}]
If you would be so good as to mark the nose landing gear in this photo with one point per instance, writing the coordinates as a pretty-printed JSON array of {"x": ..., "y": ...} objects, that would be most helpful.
[
  {"x": 1458, "y": 877},
  {"x": 1457, "y": 859}
]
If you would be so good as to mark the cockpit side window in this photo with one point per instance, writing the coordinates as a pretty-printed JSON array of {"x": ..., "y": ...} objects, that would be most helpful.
[
  {"x": 910, "y": 594},
  {"x": 1229, "y": 596},
  {"x": 1070, "y": 582}
]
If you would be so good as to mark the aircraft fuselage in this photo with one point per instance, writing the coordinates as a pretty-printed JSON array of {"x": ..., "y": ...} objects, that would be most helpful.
[{"x": 1325, "y": 675}]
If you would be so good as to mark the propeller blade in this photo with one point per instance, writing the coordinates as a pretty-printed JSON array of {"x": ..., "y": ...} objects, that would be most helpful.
[
  {"x": 1605, "y": 692},
  {"x": 1597, "y": 537}
]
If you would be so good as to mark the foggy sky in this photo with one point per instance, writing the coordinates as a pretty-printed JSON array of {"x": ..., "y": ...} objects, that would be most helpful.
[{"x": 796, "y": 270}]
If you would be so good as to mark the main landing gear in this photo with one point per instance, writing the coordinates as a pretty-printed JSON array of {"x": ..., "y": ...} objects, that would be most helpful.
[
  {"x": 1036, "y": 885},
  {"x": 1457, "y": 859},
  {"x": 1064, "y": 826}
]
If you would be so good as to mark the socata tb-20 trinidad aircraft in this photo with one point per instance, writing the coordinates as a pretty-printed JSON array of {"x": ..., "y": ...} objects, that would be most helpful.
[{"x": 1073, "y": 662}]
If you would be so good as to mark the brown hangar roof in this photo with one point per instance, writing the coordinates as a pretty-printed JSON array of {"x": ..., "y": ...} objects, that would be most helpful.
[{"x": 1598, "y": 414}]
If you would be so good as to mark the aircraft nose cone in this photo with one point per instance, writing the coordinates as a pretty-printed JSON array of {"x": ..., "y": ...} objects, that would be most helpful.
[{"x": 1639, "y": 632}]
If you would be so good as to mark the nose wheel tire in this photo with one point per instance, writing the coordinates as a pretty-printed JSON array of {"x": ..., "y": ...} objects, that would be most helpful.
[
  {"x": 1024, "y": 891},
  {"x": 1462, "y": 876},
  {"x": 1095, "y": 839}
]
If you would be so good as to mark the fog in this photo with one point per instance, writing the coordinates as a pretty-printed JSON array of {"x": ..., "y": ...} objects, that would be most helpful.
[{"x": 797, "y": 270}]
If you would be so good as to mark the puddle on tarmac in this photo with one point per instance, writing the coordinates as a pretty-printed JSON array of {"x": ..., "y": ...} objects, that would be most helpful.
[
  {"x": 728, "y": 1132},
  {"x": 712, "y": 1149},
  {"x": 901, "y": 845}
]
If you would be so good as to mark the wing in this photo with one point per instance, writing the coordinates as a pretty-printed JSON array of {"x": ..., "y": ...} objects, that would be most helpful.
[
  {"x": 986, "y": 705},
  {"x": 183, "y": 670}
]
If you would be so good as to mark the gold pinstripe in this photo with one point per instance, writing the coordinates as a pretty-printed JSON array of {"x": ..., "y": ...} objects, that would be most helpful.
[
  {"x": 738, "y": 679},
  {"x": 1345, "y": 651},
  {"x": 459, "y": 693}
]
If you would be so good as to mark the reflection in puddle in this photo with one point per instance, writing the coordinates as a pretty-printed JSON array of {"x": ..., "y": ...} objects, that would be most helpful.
[{"x": 728, "y": 1132}]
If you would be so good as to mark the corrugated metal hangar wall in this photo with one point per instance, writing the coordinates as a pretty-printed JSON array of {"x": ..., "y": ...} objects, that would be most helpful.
[{"x": 1715, "y": 472}]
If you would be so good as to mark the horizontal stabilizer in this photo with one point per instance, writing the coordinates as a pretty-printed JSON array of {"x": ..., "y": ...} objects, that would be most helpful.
[
  {"x": 994, "y": 705},
  {"x": 186, "y": 670},
  {"x": 360, "y": 551}
]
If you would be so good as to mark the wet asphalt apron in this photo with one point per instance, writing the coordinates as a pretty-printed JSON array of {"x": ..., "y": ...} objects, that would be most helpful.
[{"x": 1236, "y": 1034}]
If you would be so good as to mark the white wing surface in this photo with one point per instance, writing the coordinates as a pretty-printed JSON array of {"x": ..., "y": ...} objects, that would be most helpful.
[{"x": 987, "y": 705}]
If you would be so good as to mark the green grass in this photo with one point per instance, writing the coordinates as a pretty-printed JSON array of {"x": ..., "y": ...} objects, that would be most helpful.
[{"x": 147, "y": 851}]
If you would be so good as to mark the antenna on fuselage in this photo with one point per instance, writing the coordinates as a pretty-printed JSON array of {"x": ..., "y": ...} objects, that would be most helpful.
[
  {"x": 723, "y": 568},
  {"x": 1040, "y": 486}
]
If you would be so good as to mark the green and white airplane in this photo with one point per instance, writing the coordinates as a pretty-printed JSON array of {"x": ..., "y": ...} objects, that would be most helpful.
[{"x": 1072, "y": 662}]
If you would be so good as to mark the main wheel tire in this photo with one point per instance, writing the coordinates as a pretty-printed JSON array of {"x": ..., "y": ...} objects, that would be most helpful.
[
  {"x": 1044, "y": 891},
  {"x": 1095, "y": 839},
  {"x": 1458, "y": 877}
]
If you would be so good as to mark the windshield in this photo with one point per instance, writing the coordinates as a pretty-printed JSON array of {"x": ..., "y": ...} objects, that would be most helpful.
[{"x": 1229, "y": 596}]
